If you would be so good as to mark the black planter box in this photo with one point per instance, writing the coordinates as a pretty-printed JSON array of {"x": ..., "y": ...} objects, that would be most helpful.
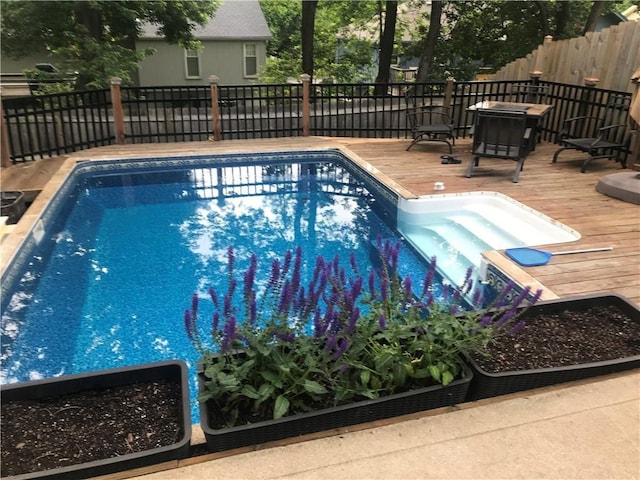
[
  {"x": 13, "y": 206},
  {"x": 486, "y": 385},
  {"x": 345, "y": 415},
  {"x": 172, "y": 370}
]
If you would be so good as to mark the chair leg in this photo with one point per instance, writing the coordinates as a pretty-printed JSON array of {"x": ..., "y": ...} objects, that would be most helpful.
[
  {"x": 474, "y": 160},
  {"x": 519, "y": 168},
  {"x": 593, "y": 157},
  {"x": 555, "y": 155}
]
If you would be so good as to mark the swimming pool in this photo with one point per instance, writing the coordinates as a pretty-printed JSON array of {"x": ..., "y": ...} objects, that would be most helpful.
[{"x": 74, "y": 300}]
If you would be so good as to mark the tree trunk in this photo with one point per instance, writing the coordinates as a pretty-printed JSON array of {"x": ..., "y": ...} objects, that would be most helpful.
[
  {"x": 426, "y": 60},
  {"x": 308, "y": 26},
  {"x": 386, "y": 47},
  {"x": 596, "y": 10},
  {"x": 562, "y": 18}
]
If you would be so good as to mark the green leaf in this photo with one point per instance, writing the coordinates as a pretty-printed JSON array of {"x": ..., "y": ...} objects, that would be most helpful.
[
  {"x": 447, "y": 377},
  {"x": 281, "y": 407},
  {"x": 312, "y": 386},
  {"x": 365, "y": 376},
  {"x": 249, "y": 391},
  {"x": 435, "y": 372}
]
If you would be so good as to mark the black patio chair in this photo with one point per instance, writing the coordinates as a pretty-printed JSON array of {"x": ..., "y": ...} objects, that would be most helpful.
[
  {"x": 525, "y": 93},
  {"x": 600, "y": 137},
  {"x": 500, "y": 134},
  {"x": 431, "y": 123}
]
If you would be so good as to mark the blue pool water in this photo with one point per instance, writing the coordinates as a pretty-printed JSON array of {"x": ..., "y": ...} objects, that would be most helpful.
[{"x": 108, "y": 283}]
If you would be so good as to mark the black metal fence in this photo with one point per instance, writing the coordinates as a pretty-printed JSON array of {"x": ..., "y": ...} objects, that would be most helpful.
[{"x": 46, "y": 125}]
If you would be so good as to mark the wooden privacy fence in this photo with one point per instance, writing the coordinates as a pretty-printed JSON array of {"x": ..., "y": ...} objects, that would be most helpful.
[
  {"x": 45, "y": 125},
  {"x": 611, "y": 56}
]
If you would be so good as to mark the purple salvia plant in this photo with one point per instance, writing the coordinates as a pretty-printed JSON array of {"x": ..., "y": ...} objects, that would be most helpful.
[
  {"x": 382, "y": 322},
  {"x": 214, "y": 296},
  {"x": 407, "y": 287},
  {"x": 429, "y": 276},
  {"x": 194, "y": 305},
  {"x": 342, "y": 346},
  {"x": 372, "y": 285},
  {"x": 297, "y": 266},
  {"x": 188, "y": 325},
  {"x": 215, "y": 322},
  {"x": 229, "y": 334},
  {"x": 502, "y": 298}
]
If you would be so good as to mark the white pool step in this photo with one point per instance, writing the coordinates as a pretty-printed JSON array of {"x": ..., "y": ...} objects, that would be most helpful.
[{"x": 439, "y": 241}]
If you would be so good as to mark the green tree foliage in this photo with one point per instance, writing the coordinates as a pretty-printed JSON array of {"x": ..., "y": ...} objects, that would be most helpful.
[
  {"x": 493, "y": 33},
  {"x": 336, "y": 53},
  {"x": 97, "y": 38}
]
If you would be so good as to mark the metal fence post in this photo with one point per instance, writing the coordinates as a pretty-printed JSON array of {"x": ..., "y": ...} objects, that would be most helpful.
[
  {"x": 215, "y": 108},
  {"x": 306, "y": 108},
  {"x": 118, "y": 114}
]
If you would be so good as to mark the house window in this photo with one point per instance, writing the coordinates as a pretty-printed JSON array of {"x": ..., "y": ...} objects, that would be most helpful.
[
  {"x": 192, "y": 63},
  {"x": 250, "y": 60}
]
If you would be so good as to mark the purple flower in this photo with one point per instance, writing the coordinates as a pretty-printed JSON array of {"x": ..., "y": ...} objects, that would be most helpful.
[
  {"x": 372, "y": 284},
  {"x": 286, "y": 337},
  {"x": 249, "y": 277},
  {"x": 214, "y": 296},
  {"x": 477, "y": 299},
  {"x": 231, "y": 260},
  {"x": 486, "y": 321},
  {"x": 318, "y": 326},
  {"x": 194, "y": 305},
  {"x": 285, "y": 298},
  {"x": 287, "y": 262},
  {"x": 429, "y": 276},
  {"x": 215, "y": 321},
  {"x": 275, "y": 273},
  {"x": 297, "y": 264},
  {"x": 353, "y": 320},
  {"x": 228, "y": 334},
  {"x": 342, "y": 346},
  {"x": 188, "y": 326},
  {"x": 384, "y": 289},
  {"x": 382, "y": 322},
  {"x": 352, "y": 261},
  {"x": 501, "y": 299},
  {"x": 406, "y": 285}
]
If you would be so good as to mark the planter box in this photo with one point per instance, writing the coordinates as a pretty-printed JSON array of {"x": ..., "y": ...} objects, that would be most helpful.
[
  {"x": 174, "y": 371},
  {"x": 350, "y": 414},
  {"x": 486, "y": 384},
  {"x": 13, "y": 206}
]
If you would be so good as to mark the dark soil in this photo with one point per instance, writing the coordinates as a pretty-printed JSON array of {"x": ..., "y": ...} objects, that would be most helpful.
[
  {"x": 88, "y": 426},
  {"x": 565, "y": 338}
]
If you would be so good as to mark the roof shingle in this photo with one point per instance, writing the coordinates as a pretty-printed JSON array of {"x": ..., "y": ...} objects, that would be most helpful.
[{"x": 234, "y": 19}]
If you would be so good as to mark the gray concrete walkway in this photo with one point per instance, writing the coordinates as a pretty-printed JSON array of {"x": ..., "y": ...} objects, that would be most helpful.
[{"x": 590, "y": 430}]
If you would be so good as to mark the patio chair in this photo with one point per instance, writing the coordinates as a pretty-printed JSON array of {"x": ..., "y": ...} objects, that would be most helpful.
[
  {"x": 600, "y": 137},
  {"x": 500, "y": 134},
  {"x": 431, "y": 123},
  {"x": 525, "y": 93}
]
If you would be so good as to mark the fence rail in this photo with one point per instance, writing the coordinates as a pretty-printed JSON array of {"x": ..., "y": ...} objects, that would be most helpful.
[{"x": 45, "y": 125}]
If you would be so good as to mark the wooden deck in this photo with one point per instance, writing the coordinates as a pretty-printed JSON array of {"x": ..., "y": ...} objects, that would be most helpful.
[{"x": 559, "y": 191}]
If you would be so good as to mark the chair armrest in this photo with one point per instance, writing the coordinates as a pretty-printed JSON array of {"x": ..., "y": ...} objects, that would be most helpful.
[{"x": 584, "y": 117}]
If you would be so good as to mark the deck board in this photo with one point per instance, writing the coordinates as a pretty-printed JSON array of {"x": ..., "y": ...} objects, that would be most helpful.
[{"x": 557, "y": 190}]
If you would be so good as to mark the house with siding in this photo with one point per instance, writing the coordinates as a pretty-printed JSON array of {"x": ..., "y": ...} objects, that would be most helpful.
[{"x": 234, "y": 48}]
